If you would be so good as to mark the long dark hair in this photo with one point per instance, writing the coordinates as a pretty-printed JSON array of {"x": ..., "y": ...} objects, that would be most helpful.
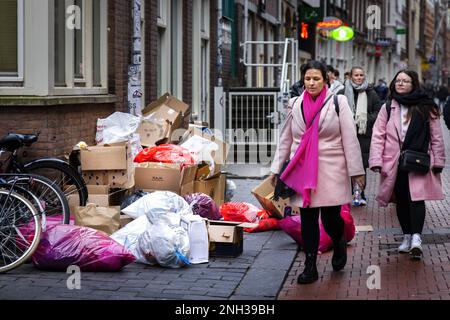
[
  {"x": 423, "y": 109},
  {"x": 314, "y": 64}
]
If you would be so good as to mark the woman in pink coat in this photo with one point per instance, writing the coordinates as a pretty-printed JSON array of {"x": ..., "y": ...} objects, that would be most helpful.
[
  {"x": 324, "y": 153},
  {"x": 412, "y": 123}
]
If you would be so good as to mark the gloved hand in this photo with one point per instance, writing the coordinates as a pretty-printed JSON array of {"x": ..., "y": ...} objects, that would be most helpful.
[{"x": 437, "y": 170}]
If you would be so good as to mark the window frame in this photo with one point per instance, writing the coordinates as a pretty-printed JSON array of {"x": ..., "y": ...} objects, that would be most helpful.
[{"x": 20, "y": 46}]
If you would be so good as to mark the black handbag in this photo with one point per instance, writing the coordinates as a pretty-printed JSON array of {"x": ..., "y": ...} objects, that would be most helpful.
[
  {"x": 282, "y": 190},
  {"x": 414, "y": 161}
]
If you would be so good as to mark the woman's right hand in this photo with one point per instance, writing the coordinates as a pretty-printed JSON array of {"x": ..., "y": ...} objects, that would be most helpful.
[
  {"x": 273, "y": 179},
  {"x": 376, "y": 169}
]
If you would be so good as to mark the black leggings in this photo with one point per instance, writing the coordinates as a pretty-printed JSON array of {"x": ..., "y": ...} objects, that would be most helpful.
[
  {"x": 411, "y": 214},
  {"x": 332, "y": 223}
]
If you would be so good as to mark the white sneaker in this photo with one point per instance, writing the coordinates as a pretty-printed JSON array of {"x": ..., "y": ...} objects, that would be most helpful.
[
  {"x": 416, "y": 246},
  {"x": 405, "y": 247}
]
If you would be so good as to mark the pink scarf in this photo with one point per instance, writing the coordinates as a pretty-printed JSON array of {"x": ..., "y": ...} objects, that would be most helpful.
[{"x": 301, "y": 172}]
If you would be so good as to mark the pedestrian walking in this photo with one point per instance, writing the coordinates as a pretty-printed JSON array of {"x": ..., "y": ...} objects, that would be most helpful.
[
  {"x": 446, "y": 112},
  {"x": 298, "y": 87},
  {"x": 382, "y": 90},
  {"x": 411, "y": 122},
  {"x": 441, "y": 95},
  {"x": 335, "y": 84},
  {"x": 324, "y": 153},
  {"x": 365, "y": 104}
]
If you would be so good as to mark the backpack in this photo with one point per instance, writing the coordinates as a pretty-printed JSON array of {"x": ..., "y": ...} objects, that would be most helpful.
[
  {"x": 335, "y": 100},
  {"x": 388, "y": 110}
]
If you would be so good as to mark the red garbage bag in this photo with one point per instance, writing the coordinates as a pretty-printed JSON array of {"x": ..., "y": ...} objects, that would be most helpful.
[
  {"x": 165, "y": 153},
  {"x": 64, "y": 245},
  {"x": 266, "y": 224},
  {"x": 239, "y": 211},
  {"x": 292, "y": 226}
]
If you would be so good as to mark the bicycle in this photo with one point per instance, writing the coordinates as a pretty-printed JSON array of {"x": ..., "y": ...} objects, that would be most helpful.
[
  {"x": 20, "y": 226},
  {"x": 57, "y": 170}
]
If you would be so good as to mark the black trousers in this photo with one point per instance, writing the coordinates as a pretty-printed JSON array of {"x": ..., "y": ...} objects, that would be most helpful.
[
  {"x": 332, "y": 223},
  {"x": 411, "y": 214}
]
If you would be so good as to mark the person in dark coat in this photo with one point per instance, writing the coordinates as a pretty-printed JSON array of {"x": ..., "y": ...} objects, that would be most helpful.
[
  {"x": 446, "y": 113},
  {"x": 365, "y": 105},
  {"x": 298, "y": 87}
]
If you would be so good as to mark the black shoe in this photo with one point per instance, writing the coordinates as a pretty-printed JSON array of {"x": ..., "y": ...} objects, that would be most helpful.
[
  {"x": 310, "y": 273},
  {"x": 339, "y": 255}
]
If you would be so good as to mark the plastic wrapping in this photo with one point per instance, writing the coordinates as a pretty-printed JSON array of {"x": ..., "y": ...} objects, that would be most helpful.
[
  {"x": 201, "y": 150},
  {"x": 165, "y": 153},
  {"x": 168, "y": 245},
  {"x": 239, "y": 211},
  {"x": 203, "y": 205},
  {"x": 117, "y": 127},
  {"x": 160, "y": 206},
  {"x": 129, "y": 235},
  {"x": 64, "y": 245},
  {"x": 292, "y": 226}
]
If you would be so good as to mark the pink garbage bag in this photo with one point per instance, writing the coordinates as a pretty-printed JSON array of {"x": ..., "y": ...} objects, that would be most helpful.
[
  {"x": 64, "y": 245},
  {"x": 292, "y": 226}
]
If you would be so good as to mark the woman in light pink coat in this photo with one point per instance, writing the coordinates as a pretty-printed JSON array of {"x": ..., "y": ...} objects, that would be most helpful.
[
  {"x": 412, "y": 123},
  {"x": 324, "y": 153}
]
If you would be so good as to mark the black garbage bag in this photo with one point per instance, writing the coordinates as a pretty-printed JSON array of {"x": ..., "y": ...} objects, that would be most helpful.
[{"x": 133, "y": 198}]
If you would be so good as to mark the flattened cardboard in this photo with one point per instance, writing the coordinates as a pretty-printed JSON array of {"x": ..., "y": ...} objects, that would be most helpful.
[
  {"x": 278, "y": 209},
  {"x": 104, "y": 157},
  {"x": 167, "y": 100}
]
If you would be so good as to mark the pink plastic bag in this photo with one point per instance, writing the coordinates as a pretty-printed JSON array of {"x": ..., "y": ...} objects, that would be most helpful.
[
  {"x": 292, "y": 226},
  {"x": 91, "y": 250}
]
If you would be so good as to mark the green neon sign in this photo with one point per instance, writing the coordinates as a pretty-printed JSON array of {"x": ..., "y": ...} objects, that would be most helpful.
[{"x": 342, "y": 34}]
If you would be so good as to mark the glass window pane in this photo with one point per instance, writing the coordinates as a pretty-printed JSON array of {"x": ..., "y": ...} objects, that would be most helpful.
[
  {"x": 8, "y": 37},
  {"x": 78, "y": 59},
  {"x": 96, "y": 44},
  {"x": 60, "y": 45}
]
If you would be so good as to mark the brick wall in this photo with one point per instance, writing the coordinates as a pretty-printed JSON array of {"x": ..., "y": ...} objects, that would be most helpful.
[
  {"x": 187, "y": 52},
  {"x": 119, "y": 54},
  {"x": 151, "y": 51},
  {"x": 60, "y": 127}
]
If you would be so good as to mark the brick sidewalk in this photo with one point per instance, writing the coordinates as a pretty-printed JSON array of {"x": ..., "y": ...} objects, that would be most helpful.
[{"x": 401, "y": 278}]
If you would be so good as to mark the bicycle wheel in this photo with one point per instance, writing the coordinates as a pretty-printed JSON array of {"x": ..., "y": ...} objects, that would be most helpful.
[
  {"x": 63, "y": 175},
  {"x": 49, "y": 194},
  {"x": 20, "y": 230}
]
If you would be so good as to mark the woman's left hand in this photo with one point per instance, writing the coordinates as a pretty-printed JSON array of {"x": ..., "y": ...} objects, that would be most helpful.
[{"x": 360, "y": 180}]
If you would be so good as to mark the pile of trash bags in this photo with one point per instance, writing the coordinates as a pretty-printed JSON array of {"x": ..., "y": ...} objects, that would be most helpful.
[{"x": 155, "y": 236}]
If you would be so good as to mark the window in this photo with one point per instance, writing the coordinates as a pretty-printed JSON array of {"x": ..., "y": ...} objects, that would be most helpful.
[{"x": 11, "y": 39}]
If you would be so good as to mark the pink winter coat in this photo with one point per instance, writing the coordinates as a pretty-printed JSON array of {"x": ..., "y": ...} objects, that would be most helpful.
[
  {"x": 385, "y": 152},
  {"x": 339, "y": 151}
]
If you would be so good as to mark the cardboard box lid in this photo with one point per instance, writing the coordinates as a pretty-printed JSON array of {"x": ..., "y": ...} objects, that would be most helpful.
[
  {"x": 169, "y": 101},
  {"x": 233, "y": 223},
  {"x": 105, "y": 157}
]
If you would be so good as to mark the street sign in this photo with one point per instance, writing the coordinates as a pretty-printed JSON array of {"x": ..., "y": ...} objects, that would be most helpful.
[
  {"x": 311, "y": 15},
  {"x": 329, "y": 23},
  {"x": 342, "y": 34},
  {"x": 383, "y": 42},
  {"x": 400, "y": 31}
]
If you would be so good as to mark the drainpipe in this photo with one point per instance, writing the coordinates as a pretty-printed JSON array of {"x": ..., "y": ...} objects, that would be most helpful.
[
  {"x": 219, "y": 43},
  {"x": 134, "y": 69}
]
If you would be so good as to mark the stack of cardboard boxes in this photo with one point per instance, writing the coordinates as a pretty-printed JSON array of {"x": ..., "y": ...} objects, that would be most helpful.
[{"x": 109, "y": 169}]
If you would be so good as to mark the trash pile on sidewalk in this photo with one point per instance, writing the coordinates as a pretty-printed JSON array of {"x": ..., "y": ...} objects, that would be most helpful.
[{"x": 157, "y": 196}]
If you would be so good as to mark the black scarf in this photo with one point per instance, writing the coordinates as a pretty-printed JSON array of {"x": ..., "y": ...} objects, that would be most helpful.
[{"x": 417, "y": 137}]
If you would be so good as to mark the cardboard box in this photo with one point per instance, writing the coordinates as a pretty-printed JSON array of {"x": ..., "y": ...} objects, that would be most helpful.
[
  {"x": 105, "y": 157},
  {"x": 214, "y": 187},
  {"x": 196, "y": 228},
  {"x": 170, "y": 109},
  {"x": 110, "y": 165},
  {"x": 153, "y": 176},
  {"x": 152, "y": 133},
  {"x": 226, "y": 238},
  {"x": 279, "y": 209}
]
